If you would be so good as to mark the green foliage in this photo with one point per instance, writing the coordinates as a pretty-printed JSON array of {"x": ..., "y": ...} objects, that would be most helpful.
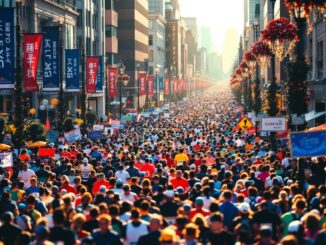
[
  {"x": 3, "y": 125},
  {"x": 68, "y": 125},
  {"x": 91, "y": 117},
  {"x": 35, "y": 131},
  {"x": 257, "y": 100},
  {"x": 272, "y": 100}
]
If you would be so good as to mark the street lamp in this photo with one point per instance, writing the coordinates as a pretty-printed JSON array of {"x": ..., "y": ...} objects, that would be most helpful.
[
  {"x": 138, "y": 88},
  {"x": 121, "y": 73},
  {"x": 157, "y": 72}
]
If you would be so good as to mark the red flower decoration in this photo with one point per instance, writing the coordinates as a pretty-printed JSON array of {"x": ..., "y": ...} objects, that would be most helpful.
[
  {"x": 249, "y": 56},
  {"x": 260, "y": 48},
  {"x": 280, "y": 30}
]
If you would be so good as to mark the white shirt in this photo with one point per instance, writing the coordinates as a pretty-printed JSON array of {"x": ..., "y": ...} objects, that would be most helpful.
[
  {"x": 286, "y": 162},
  {"x": 122, "y": 175},
  {"x": 132, "y": 197},
  {"x": 133, "y": 233},
  {"x": 26, "y": 176},
  {"x": 207, "y": 201}
]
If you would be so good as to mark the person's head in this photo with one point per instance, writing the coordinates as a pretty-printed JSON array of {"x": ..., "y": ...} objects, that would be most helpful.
[
  {"x": 300, "y": 206},
  {"x": 25, "y": 166},
  {"x": 289, "y": 240},
  {"x": 178, "y": 174},
  {"x": 94, "y": 212},
  {"x": 227, "y": 195},
  {"x": 191, "y": 232},
  {"x": 78, "y": 220},
  {"x": 296, "y": 228},
  {"x": 114, "y": 210},
  {"x": 135, "y": 214},
  {"x": 199, "y": 202},
  {"x": 155, "y": 222},
  {"x": 104, "y": 221},
  {"x": 7, "y": 217},
  {"x": 216, "y": 222},
  {"x": 311, "y": 221}
]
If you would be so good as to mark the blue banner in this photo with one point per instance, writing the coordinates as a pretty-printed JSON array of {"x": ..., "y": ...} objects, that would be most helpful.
[
  {"x": 99, "y": 77},
  {"x": 72, "y": 70},
  {"x": 95, "y": 135},
  {"x": 51, "y": 58},
  {"x": 308, "y": 144},
  {"x": 7, "y": 48}
]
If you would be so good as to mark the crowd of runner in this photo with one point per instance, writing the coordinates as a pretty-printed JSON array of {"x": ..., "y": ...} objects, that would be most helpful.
[{"x": 192, "y": 178}]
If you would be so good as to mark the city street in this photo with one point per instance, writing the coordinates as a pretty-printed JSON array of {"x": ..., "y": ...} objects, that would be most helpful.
[{"x": 162, "y": 122}]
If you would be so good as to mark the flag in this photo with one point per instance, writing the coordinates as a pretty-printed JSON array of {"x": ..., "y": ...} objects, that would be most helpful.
[{"x": 47, "y": 124}]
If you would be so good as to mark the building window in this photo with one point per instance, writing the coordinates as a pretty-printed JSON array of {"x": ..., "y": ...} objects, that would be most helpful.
[
  {"x": 109, "y": 4},
  {"x": 150, "y": 24},
  {"x": 150, "y": 55},
  {"x": 88, "y": 18},
  {"x": 320, "y": 61},
  {"x": 110, "y": 31},
  {"x": 150, "y": 40},
  {"x": 111, "y": 58}
]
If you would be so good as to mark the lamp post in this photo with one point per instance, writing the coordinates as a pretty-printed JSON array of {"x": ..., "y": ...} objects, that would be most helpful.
[
  {"x": 157, "y": 71},
  {"x": 172, "y": 71},
  {"x": 138, "y": 88},
  {"x": 45, "y": 106},
  {"x": 121, "y": 73},
  {"x": 257, "y": 98},
  {"x": 19, "y": 117}
]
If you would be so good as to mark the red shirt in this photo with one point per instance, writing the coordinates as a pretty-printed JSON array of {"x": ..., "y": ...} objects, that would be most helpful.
[
  {"x": 97, "y": 184},
  {"x": 148, "y": 169},
  {"x": 69, "y": 188},
  {"x": 179, "y": 182},
  {"x": 263, "y": 176},
  {"x": 195, "y": 211}
]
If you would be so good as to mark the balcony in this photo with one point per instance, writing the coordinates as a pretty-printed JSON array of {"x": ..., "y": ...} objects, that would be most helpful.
[{"x": 111, "y": 18}]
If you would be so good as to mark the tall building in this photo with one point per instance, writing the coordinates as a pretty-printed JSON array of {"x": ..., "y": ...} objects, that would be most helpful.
[
  {"x": 229, "y": 51},
  {"x": 111, "y": 32},
  {"x": 35, "y": 16},
  {"x": 191, "y": 24},
  {"x": 133, "y": 42},
  {"x": 91, "y": 38},
  {"x": 206, "y": 39},
  {"x": 156, "y": 44}
]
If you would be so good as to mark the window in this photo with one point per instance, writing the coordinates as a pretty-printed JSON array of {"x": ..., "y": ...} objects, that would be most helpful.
[
  {"x": 110, "y": 31},
  {"x": 109, "y": 4},
  {"x": 150, "y": 24},
  {"x": 88, "y": 18},
  {"x": 150, "y": 40},
  {"x": 150, "y": 55}
]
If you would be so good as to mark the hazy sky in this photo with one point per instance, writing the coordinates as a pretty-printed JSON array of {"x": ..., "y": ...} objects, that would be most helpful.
[{"x": 219, "y": 15}]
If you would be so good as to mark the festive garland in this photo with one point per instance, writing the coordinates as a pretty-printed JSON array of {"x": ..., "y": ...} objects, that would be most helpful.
[
  {"x": 306, "y": 5},
  {"x": 250, "y": 59},
  {"x": 260, "y": 48}
]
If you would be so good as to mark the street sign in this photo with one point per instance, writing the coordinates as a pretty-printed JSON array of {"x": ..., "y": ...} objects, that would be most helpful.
[
  {"x": 245, "y": 123},
  {"x": 273, "y": 124}
]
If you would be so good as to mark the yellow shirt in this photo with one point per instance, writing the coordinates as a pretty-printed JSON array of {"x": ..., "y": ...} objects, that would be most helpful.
[{"x": 180, "y": 158}]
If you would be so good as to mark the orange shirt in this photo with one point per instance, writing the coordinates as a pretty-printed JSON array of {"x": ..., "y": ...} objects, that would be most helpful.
[{"x": 24, "y": 157}]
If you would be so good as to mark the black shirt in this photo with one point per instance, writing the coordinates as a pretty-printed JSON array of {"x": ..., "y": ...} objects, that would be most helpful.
[
  {"x": 9, "y": 233},
  {"x": 90, "y": 225},
  {"x": 62, "y": 234},
  {"x": 222, "y": 238},
  {"x": 151, "y": 238}
]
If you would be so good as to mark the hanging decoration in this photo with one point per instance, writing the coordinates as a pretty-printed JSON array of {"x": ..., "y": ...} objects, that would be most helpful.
[
  {"x": 305, "y": 6},
  {"x": 281, "y": 36},
  {"x": 262, "y": 52},
  {"x": 245, "y": 69},
  {"x": 250, "y": 59}
]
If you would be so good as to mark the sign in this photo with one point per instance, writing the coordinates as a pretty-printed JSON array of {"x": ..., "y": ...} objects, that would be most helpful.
[
  {"x": 273, "y": 124},
  {"x": 115, "y": 123},
  {"x": 150, "y": 85},
  {"x": 166, "y": 86},
  {"x": 166, "y": 115},
  {"x": 98, "y": 127},
  {"x": 53, "y": 136},
  {"x": 308, "y": 144},
  {"x": 91, "y": 74},
  {"x": 32, "y": 47},
  {"x": 99, "y": 78},
  {"x": 46, "y": 152},
  {"x": 244, "y": 124},
  {"x": 94, "y": 135},
  {"x": 126, "y": 118},
  {"x": 112, "y": 74},
  {"x": 7, "y": 48},
  {"x": 6, "y": 160},
  {"x": 73, "y": 135},
  {"x": 72, "y": 70},
  {"x": 51, "y": 58},
  {"x": 251, "y": 130},
  {"x": 142, "y": 83}
]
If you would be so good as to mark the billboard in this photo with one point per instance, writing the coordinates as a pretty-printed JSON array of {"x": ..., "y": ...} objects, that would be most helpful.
[
  {"x": 308, "y": 144},
  {"x": 273, "y": 124}
]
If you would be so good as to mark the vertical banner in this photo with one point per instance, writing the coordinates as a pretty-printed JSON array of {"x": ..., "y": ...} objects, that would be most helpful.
[
  {"x": 142, "y": 83},
  {"x": 51, "y": 58},
  {"x": 175, "y": 90},
  {"x": 32, "y": 48},
  {"x": 72, "y": 70},
  {"x": 91, "y": 74},
  {"x": 99, "y": 78},
  {"x": 112, "y": 75},
  {"x": 166, "y": 86},
  {"x": 150, "y": 85},
  {"x": 179, "y": 86},
  {"x": 7, "y": 48}
]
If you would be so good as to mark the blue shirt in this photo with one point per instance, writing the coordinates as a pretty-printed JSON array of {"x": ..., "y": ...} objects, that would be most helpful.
[{"x": 230, "y": 211}]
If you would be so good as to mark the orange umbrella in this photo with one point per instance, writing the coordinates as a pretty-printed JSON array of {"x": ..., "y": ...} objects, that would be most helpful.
[
  {"x": 38, "y": 144},
  {"x": 4, "y": 147},
  {"x": 320, "y": 127}
]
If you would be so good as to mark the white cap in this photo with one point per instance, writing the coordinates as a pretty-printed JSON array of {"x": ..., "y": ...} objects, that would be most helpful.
[
  {"x": 85, "y": 160},
  {"x": 193, "y": 166},
  {"x": 244, "y": 207},
  {"x": 169, "y": 193},
  {"x": 294, "y": 226}
]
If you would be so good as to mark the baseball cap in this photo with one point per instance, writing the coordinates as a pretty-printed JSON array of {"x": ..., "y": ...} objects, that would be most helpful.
[
  {"x": 193, "y": 166},
  {"x": 169, "y": 193},
  {"x": 244, "y": 207},
  {"x": 85, "y": 160},
  {"x": 102, "y": 189},
  {"x": 294, "y": 226},
  {"x": 187, "y": 207},
  {"x": 199, "y": 201}
]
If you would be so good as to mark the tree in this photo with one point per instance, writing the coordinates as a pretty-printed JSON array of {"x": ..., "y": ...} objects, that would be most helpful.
[
  {"x": 272, "y": 100},
  {"x": 257, "y": 99},
  {"x": 35, "y": 131}
]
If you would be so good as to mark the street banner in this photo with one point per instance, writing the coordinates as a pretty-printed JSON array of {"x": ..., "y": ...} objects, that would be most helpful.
[
  {"x": 32, "y": 48},
  {"x": 175, "y": 90},
  {"x": 72, "y": 70},
  {"x": 150, "y": 85},
  {"x": 179, "y": 86},
  {"x": 95, "y": 135},
  {"x": 53, "y": 136},
  {"x": 6, "y": 160},
  {"x": 98, "y": 127},
  {"x": 115, "y": 123},
  {"x": 99, "y": 78},
  {"x": 273, "y": 124},
  {"x": 308, "y": 144},
  {"x": 166, "y": 86},
  {"x": 73, "y": 135},
  {"x": 91, "y": 74},
  {"x": 51, "y": 58},
  {"x": 112, "y": 75},
  {"x": 142, "y": 83},
  {"x": 46, "y": 152},
  {"x": 7, "y": 48}
]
